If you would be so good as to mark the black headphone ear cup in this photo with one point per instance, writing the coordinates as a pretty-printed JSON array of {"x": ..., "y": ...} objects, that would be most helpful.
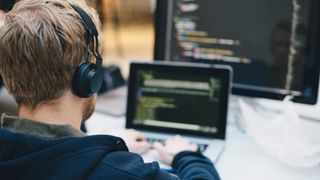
[
  {"x": 87, "y": 80},
  {"x": 95, "y": 79}
]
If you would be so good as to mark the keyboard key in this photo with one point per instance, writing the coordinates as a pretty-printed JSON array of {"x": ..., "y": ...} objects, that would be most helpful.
[{"x": 201, "y": 147}]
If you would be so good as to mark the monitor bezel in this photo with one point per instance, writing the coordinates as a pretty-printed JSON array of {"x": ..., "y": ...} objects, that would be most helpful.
[
  {"x": 312, "y": 67},
  {"x": 222, "y": 72}
]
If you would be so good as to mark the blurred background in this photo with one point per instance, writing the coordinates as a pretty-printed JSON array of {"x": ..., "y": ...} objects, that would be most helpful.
[{"x": 127, "y": 31}]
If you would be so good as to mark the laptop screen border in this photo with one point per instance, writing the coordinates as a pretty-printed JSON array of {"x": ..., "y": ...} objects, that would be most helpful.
[{"x": 221, "y": 72}]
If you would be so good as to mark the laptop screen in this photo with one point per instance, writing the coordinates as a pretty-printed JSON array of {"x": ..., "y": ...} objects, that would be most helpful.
[{"x": 179, "y": 98}]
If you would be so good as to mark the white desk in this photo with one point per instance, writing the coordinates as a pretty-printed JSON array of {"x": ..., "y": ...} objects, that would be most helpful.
[{"x": 242, "y": 158}]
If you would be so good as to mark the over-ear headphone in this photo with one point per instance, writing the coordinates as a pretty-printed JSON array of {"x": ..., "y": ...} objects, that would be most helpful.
[{"x": 88, "y": 76}]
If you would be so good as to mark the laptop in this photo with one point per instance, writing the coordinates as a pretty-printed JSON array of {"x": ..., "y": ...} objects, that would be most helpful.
[{"x": 166, "y": 99}]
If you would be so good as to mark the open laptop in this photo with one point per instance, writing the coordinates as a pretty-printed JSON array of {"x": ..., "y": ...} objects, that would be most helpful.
[{"x": 165, "y": 99}]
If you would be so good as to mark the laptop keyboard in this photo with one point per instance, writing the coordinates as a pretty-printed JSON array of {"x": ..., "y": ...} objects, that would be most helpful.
[{"x": 201, "y": 147}]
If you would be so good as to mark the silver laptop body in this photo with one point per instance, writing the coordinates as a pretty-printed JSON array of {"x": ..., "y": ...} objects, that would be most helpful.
[{"x": 179, "y": 98}]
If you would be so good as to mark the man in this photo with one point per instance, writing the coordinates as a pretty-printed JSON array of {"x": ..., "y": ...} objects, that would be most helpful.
[{"x": 43, "y": 44}]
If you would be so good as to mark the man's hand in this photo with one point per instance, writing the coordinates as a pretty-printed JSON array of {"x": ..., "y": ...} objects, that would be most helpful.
[
  {"x": 135, "y": 141},
  {"x": 172, "y": 147}
]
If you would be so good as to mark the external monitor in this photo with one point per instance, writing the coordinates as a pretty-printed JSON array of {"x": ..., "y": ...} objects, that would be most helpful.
[{"x": 272, "y": 45}]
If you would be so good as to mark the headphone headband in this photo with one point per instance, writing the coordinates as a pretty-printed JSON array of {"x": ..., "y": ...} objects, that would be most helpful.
[
  {"x": 88, "y": 76},
  {"x": 87, "y": 21},
  {"x": 91, "y": 31}
]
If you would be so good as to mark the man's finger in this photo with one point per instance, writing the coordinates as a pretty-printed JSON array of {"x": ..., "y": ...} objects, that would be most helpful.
[
  {"x": 144, "y": 145},
  {"x": 194, "y": 146},
  {"x": 140, "y": 137},
  {"x": 165, "y": 156},
  {"x": 137, "y": 135},
  {"x": 158, "y": 146}
]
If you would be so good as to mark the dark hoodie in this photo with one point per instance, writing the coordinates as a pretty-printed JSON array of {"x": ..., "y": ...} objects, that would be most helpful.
[{"x": 32, "y": 150}]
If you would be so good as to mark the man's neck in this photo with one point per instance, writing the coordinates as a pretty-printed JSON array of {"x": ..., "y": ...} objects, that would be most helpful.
[{"x": 65, "y": 110}]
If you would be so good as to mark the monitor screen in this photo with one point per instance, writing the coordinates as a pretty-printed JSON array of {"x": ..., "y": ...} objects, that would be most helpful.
[
  {"x": 272, "y": 45},
  {"x": 162, "y": 98}
]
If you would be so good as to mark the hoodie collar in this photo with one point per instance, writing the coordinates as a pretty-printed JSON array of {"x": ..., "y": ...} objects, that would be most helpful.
[{"x": 37, "y": 129}]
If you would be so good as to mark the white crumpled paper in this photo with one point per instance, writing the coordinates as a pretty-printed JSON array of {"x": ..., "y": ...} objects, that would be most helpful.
[{"x": 281, "y": 134}]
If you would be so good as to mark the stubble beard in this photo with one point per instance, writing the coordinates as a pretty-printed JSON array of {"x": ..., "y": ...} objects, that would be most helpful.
[{"x": 88, "y": 109}]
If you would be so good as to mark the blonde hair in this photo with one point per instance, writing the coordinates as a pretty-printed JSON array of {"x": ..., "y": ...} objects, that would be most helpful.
[{"x": 41, "y": 44}]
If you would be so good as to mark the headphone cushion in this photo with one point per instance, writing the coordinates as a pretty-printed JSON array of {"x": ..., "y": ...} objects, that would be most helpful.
[{"x": 87, "y": 80}]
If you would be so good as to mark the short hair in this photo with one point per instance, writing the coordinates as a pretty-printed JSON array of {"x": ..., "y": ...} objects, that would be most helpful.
[{"x": 41, "y": 44}]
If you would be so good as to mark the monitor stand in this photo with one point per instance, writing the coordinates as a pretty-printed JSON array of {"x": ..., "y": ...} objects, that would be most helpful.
[
  {"x": 270, "y": 107},
  {"x": 306, "y": 112}
]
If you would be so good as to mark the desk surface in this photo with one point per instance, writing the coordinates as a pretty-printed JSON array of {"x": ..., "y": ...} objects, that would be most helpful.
[{"x": 241, "y": 159}]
